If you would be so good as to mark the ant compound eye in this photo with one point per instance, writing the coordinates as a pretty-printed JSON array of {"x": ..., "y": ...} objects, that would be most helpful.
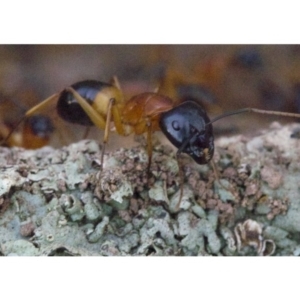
[{"x": 175, "y": 125}]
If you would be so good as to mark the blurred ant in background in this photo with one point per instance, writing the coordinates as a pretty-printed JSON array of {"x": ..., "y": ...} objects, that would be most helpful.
[
  {"x": 35, "y": 133},
  {"x": 183, "y": 86}
]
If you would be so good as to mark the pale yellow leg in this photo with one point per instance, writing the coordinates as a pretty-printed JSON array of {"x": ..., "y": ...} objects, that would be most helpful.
[
  {"x": 116, "y": 110},
  {"x": 107, "y": 128},
  {"x": 118, "y": 120},
  {"x": 97, "y": 119},
  {"x": 41, "y": 105},
  {"x": 108, "y": 120},
  {"x": 115, "y": 82}
]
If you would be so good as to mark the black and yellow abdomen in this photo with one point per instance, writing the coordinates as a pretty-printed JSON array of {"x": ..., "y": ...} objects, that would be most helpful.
[{"x": 96, "y": 93}]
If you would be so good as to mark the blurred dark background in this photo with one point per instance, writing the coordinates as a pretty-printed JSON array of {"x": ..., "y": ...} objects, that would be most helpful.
[{"x": 220, "y": 77}]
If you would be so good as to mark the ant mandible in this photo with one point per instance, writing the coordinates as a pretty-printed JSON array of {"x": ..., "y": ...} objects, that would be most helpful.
[{"x": 186, "y": 125}]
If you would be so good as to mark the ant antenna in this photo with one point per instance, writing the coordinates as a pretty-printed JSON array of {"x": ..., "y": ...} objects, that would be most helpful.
[{"x": 255, "y": 110}]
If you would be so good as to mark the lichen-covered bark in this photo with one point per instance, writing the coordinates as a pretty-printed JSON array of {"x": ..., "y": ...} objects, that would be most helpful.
[{"x": 58, "y": 202}]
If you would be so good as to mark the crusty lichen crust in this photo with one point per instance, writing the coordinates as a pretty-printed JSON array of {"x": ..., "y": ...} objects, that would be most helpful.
[{"x": 59, "y": 202}]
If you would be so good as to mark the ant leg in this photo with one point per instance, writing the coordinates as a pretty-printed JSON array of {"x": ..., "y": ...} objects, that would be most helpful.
[
  {"x": 121, "y": 128},
  {"x": 216, "y": 171},
  {"x": 41, "y": 105},
  {"x": 180, "y": 167},
  {"x": 181, "y": 178},
  {"x": 14, "y": 140},
  {"x": 115, "y": 81},
  {"x": 64, "y": 136},
  {"x": 86, "y": 132},
  {"x": 31, "y": 112},
  {"x": 107, "y": 128},
  {"x": 217, "y": 175},
  {"x": 156, "y": 90},
  {"x": 97, "y": 119},
  {"x": 149, "y": 145},
  {"x": 113, "y": 111}
]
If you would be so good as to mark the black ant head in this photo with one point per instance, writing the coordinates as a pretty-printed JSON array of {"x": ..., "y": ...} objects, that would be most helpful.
[{"x": 186, "y": 126}]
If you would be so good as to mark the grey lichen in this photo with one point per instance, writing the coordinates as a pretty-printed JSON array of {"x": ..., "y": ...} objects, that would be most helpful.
[
  {"x": 249, "y": 233},
  {"x": 60, "y": 202}
]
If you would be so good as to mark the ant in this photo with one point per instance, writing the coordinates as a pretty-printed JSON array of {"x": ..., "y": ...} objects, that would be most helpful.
[
  {"x": 92, "y": 102},
  {"x": 35, "y": 133},
  {"x": 186, "y": 125}
]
